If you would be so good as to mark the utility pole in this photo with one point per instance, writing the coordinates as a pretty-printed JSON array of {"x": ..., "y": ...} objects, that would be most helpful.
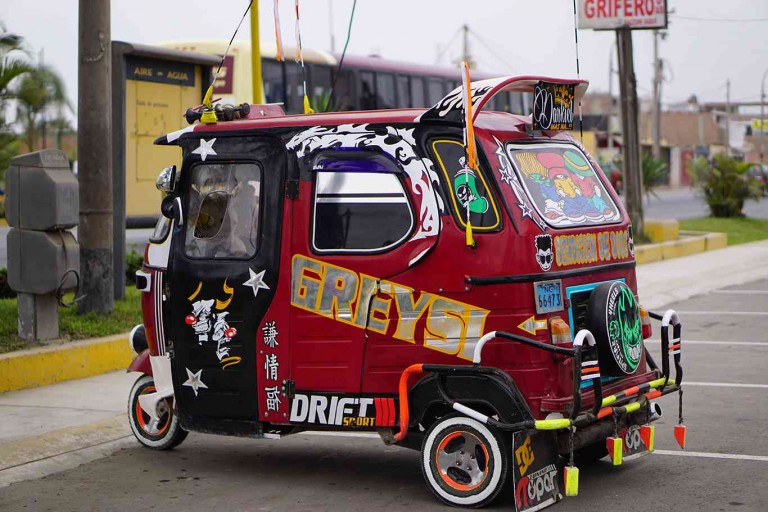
[
  {"x": 728, "y": 117},
  {"x": 256, "y": 79},
  {"x": 330, "y": 26},
  {"x": 94, "y": 150},
  {"x": 633, "y": 181},
  {"x": 610, "y": 94},
  {"x": 656, "y": 108},
  {"x": 762, "y": 114},
  {"x": 465, "y": 54}
]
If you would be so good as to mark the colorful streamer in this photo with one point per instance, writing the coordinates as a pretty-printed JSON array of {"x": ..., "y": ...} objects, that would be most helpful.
[
  {"x": 278, "y": 34},
  {"x": 300, "y": 59}
]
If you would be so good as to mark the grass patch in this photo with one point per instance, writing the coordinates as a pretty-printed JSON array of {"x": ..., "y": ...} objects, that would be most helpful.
[
  {"x": 740, "y": 230},
  {"x": 127, "y": 313}
]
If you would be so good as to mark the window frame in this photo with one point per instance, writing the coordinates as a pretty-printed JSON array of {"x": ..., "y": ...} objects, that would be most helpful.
[
  {"x": 260, "y": 216},
  {"x": 398, "y": 174}
]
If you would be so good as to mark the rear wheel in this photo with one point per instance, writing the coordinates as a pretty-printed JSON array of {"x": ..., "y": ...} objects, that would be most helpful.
[
  {"x": 163, "y": 434},
  {"x": 464, "y": 462}
]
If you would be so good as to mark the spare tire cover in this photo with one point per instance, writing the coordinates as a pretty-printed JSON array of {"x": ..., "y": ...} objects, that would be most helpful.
[{"x": 614, "y": 320}]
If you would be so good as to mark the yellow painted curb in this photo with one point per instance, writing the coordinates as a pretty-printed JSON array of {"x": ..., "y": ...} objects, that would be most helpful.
[
  {"x": 716, "y": 241},
  {"x": 691, "y": 243},
  {"x": 647, "y": 253},
  {"x": 662, "y": 230},
  {"x": 66, "y": 361},
  {"x": 3, "y": 223}
]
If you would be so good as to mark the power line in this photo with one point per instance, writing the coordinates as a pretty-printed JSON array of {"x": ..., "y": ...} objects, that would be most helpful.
[{"x": 718, "y": 20}]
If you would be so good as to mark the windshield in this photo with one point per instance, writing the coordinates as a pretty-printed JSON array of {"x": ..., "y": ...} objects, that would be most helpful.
[{"x": 560, "y": 183}]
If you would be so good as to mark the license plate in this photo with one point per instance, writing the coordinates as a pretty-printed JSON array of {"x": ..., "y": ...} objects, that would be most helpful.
[{"x": 548, "y": 296}]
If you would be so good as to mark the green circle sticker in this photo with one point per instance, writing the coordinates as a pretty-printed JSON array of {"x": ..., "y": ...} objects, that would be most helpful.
[{"x": 625, "y": 333}]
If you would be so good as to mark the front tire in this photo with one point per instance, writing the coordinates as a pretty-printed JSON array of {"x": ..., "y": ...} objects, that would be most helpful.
[
  {"x": 161, "y": 435},
  {"x": 464, "y": 462}
]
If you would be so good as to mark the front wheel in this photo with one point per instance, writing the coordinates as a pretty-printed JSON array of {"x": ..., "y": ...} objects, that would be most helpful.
[
  {"x": 464, "y": 462},
  {"x": 158, "y": 435}
]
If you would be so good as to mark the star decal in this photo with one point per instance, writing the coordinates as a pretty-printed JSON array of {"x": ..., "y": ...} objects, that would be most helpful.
[
  {"x": 256, "y": 282},
  {"x": 194, "y": 380},
  {"x": 205, "y": 149}
]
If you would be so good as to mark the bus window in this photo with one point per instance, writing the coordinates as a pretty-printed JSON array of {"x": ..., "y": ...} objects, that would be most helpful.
[
  {"x": 294, "y": 89},
  {"x": 417, "y": 92},
  {"x": 344, "y": 93},
  {"x": 435, "y": 90},
  {"x": 320, "y": 84},
  {"x": 274, "y": 87},
  {"x": 403, "y": 92},
  {"x": 453, "y": 84},
  {"x": 385, "y": 91},
  {"x": 367, "y": 91}
]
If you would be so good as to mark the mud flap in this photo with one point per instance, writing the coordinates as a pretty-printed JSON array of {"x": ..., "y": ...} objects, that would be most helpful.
[
  {"x": 637, "y": 441},
  {"x": 535, "y": 470}
]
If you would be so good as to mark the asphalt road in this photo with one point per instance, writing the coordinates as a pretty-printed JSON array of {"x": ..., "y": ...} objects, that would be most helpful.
[{"x": 724, "y": 466}]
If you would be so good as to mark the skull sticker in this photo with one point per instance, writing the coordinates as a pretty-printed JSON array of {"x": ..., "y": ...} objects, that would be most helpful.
[{"x": 544, "y": 254}]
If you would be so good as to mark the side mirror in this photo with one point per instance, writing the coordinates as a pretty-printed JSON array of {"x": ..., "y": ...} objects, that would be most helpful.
[
  {"x": 170, "y": 208},
  {"x": 166, "y": 180},
  {"x": 166, "y": 207}
]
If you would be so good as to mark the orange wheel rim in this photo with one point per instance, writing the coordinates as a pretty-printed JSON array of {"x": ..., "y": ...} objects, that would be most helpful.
[{"x": 143, "y": 418}]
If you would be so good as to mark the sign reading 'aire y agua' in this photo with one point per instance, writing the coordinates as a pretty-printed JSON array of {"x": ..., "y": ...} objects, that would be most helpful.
[{"x": 613, "y": 14}]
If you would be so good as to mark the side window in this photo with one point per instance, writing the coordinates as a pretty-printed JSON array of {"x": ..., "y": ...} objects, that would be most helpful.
[
  {"x": 469, "y": 190},
  {"x": 403, "y": 92},
  {"x": 385, "y": 91},
  {"x": 360, "y": 204},
  {"x": 223, "y": 203},
  {"x": 417, "y": 92},
  {"x": 368, "y": 92}
]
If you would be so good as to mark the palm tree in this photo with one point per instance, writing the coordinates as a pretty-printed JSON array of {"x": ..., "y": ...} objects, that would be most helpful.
[
  {"x": 40, "y": 93},
  {"x": 12, "y": 67}
]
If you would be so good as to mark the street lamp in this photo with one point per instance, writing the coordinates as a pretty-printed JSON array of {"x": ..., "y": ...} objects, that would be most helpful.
[{"x": 762, "y": 108}]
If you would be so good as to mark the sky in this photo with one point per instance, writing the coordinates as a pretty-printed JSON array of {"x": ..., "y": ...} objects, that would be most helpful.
[{"x": 708, "y": 41}]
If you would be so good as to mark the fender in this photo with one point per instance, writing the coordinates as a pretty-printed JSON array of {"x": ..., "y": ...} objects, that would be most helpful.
[
  {"x": 492, "y": 390},
  {"x": 141, "y": 363}
]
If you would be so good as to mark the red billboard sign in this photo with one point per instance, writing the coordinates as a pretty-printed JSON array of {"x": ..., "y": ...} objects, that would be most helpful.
[{"x": 613, "y": 14}]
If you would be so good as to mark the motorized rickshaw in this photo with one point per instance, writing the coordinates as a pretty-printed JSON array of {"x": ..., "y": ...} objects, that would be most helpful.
[{"x": 361, "y": 271}]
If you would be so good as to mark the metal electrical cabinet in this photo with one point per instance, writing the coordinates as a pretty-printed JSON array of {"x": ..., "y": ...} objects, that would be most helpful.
[{"x": 43, "y": 256}]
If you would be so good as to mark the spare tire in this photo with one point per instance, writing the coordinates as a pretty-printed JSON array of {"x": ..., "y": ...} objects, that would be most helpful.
[{"x": 614, "y": 320}]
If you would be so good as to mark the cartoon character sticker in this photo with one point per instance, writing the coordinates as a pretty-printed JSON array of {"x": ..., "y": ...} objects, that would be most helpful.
[
  {"x": 563, "y": 185},
  {"x": 213, "y": 326},
  {"x": 544, "y": 255},
  {"x": 465, "y": 187}
]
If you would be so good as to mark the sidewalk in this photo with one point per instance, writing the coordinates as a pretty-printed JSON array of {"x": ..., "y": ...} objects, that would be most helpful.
[{"x": 53, "y": 428}]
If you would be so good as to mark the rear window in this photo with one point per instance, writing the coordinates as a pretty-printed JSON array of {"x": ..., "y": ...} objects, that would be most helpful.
[{"x": 562, "y": 185}]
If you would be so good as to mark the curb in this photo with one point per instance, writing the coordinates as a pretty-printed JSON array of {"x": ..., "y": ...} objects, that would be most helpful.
[
  {"x": 66, "y": 361},
  {"x": 691, "y": 242}
]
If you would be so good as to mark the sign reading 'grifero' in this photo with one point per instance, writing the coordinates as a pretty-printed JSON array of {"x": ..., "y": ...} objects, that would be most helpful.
[{"x": 159, "y": 71}]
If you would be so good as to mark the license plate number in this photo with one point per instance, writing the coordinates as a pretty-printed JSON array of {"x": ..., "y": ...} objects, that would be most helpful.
[{"x": 548, "y": 296}]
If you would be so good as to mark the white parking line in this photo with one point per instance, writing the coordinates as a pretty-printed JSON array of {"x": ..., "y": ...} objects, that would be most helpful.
[
  {"x": 725, "y": 385},
  {"x": 707, "y": 455},
  {"x": 739, "y": 343},
  {"x": 724, "y": 313},
  {"x": 741, "y": 292}
]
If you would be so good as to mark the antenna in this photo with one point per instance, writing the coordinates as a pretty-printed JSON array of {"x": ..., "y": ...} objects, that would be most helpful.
[
  {"x": 578, "y": 74},
  {"x": 469, "y": 143}
]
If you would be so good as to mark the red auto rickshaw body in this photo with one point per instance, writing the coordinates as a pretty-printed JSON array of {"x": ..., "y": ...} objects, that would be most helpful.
[{"x": 316, "y": 271}]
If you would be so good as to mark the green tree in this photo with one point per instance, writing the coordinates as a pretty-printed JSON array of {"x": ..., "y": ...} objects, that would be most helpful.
[
  {"x": 654, "y": 172},
  {"x": 13, "y": 66},
  {"x": 726, "y": 184},
  {"x": 40, "y": 98}
]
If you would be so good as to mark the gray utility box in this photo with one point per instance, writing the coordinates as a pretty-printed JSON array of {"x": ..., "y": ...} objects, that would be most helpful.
[
  {"x": 42, "y": 192},
  {"x": 38, "y": 261}
]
